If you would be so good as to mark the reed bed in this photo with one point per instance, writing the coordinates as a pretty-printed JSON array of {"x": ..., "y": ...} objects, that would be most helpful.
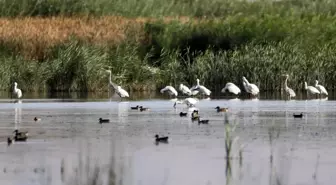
[{"x": 218, "y": 42}]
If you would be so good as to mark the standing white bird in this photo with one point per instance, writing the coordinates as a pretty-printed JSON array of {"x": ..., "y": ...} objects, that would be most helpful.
[
  {"x": 311, "y": 89},
  {"x": 171, "y": 90},
  {"x": 118, "y": 90},
  {"x": 250, "y": 88},
  {"x": 320, "y": 88},
  {"x": 184, "y": 89},
  {"x": 17, "y": 91},
  {"x": 232, "y": 88},
  {"x": 288, "y": 90},
  {"x": 121, "y": 92},
  {"x": 190, "y": 102},
  {"x": 202, "y": 89}
]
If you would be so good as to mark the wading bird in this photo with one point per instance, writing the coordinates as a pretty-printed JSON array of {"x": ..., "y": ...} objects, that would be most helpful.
[
  {"x": 321, "y": 88},
  {"x": 250, "y": 88},
  {"x": 190, "y": 102},
  {"x": 288, "y": 90},
  {"x": 170, "y": 89},
  {"x": 118, "y": 90},
  {"x": 201, "y": 88},
  {"x": 185, "y": 90},
  {"x": 232, "y": 88},
  {"x": 311, "y": 89},
  {"x": 17, "y": 91}
]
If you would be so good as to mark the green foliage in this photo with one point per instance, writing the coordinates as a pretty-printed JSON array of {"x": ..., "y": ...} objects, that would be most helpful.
[
  {"x": 158, "y": 8},
  {"x": 76, "y": 66},
  {"x": 223, "y": 41}
]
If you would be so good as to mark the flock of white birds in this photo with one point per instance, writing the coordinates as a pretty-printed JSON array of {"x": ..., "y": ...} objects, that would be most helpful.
[{"x": 200, "y": 89}]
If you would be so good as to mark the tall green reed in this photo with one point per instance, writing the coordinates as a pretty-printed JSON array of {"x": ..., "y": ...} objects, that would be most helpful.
[{"x": 155, "y": 8}]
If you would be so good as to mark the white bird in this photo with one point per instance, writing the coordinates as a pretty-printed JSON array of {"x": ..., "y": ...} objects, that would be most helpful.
[
  {"x": 232, "y": 88},
  {"x": 118, "y": 90},
  {"x": 311, "y": 89},
  {"x": 288, "y": 90},
  {"x": 184, "y": 89},
  {"x": 17, "y": 91},
  {"x": 190, "y": 102},
  {"x": 202, "y": 89},
  {"x": 121, "y": 92},
  {"x": 320, "y": 88},
  {"x": 250, "y": 88},
  {"x": 171, "y": 90}
]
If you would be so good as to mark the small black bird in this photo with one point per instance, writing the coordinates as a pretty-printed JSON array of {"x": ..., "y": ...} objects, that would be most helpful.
[
  {"x": 183, "y": 114},
  {"x": 298, "y": 115},
  {"x": 101, "y": 120},
  {"x": 9, "y": 141},
  {"x": 205, "y": 121},
  {"x": 37, "y": 119},
  {"x": 143, "y": 108},
  {"x": 20, "y": 136},
  {"x": 161, "y": 139},
  {"x": 135, "y": 108}
]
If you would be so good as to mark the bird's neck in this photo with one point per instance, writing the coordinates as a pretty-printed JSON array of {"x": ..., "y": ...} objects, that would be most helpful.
[
  {"x": 247, "y": 82},
  {"x": 110, "y": 77},
  {"x": 286, "y": 82}
]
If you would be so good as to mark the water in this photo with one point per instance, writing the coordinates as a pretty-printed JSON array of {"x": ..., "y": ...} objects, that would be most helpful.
[{"x": 68, "y": 143}]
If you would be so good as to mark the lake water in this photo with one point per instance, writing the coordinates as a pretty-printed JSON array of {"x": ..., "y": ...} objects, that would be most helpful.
[{"x": 69, "y": 146}]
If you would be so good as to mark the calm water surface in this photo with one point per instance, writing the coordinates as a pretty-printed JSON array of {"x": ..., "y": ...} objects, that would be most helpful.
[{"x": 68, "y": 143}]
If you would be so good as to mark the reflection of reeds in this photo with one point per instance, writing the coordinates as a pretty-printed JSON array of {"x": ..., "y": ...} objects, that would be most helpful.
[
  {"x": 230, "y": 141},
  {"x": 273, "y": 134},
  {"x": 89, "y": 172}
]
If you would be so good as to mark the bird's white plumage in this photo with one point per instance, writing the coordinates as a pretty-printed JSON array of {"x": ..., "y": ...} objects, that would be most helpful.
[
  {"x": 121, "y": 92},
  {"x": 250, "y": 88},
  {"x": 17, "y": 91},
  {"x": 184, "y": 89},
  {"x": 232, "y": 88},
  {"x": 311, "y": 89},
  {"x": 320, "y": 88},
  {"x": 202, "y": 88},
  {"x": 190, "y": 102},
  {"x": 171, "y": 90},
  {"x": 290, "y": 92},
  {"x": 118, "y": 90}
]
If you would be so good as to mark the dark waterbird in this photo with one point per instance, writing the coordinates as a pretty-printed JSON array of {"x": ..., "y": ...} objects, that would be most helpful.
[
  {"x": 143, "y": 108},
  {"x": 183, "y": 114},
  {"x": 298, "y": 115},
  {"x": 135, "y": 108},
  {"x": 37, "y": 119},
  {"x": 205, "y": 121},
  {"x": 194, "y": 115},
  {"x": 221, "y": 109},
  {"x": 101, "y": 120},
  {"x": 20, "y": 136},
  {"x": 161, "y": 139},
  {"x": 9, "y": 141}
]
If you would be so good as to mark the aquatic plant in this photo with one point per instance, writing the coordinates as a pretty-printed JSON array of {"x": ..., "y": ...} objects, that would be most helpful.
[{"x": 216, "y": 43}]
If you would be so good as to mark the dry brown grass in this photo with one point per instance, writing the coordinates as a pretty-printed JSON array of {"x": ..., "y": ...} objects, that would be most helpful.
[{"x": 32, "y": 37}]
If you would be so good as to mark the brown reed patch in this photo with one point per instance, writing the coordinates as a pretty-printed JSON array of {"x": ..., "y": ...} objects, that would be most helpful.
[{"x": 32, "y": 37}]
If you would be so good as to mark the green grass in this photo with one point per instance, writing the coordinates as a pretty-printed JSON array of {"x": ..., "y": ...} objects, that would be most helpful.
[
  {"x": 155, "y": 8},
  {"x": 260, "y": 40}
]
